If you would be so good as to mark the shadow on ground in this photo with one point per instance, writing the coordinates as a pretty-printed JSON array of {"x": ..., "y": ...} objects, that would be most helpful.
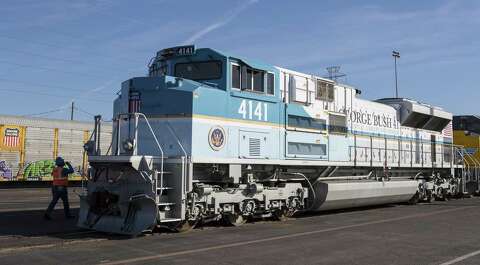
[{"x": 30, "y": 223}]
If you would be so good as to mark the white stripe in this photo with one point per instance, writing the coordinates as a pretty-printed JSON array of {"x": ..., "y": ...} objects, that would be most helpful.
[{"x": 464, "y": 257}]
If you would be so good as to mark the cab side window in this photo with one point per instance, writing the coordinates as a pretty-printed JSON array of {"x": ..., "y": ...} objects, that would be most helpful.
[
  {"x": 254, "y": 80},
  {"x": 270, "y": 83},
  {"x": 325, "y": 91},
  {"x": 235, "y": 76}
]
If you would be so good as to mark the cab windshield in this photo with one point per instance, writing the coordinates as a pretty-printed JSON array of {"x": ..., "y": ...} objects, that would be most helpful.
[{"x": 208, "y": 70}]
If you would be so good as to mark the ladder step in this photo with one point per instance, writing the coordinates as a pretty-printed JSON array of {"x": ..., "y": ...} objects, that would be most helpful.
[
  {"x": 165, "y": 203},
  {"x": 165, "y": 188},
  {"x": 167, "y": 220},
  {"x": 165, "y": 172}
]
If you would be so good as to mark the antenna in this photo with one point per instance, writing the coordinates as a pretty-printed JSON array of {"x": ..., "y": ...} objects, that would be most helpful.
[{"x": 334, "y": 72}]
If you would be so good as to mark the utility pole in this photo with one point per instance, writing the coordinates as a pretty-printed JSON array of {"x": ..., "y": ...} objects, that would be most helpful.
[
  {"x": 71, "y": 111},
  {"x": 334, "y": 73},
  {"x": 396, "y": 55}
]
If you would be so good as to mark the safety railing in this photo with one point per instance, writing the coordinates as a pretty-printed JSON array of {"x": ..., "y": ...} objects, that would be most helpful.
[
  {"x": 132, "y": 141},
  {"x": 404, "y": 157},
  {"x": 471, "y": 168},
  {"x": 130, "y": 144}
]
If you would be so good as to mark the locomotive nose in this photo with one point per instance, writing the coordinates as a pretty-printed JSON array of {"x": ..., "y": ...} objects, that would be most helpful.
[
  {"x": 119, "y": 200},
  {"x": 102, "y": 211}
]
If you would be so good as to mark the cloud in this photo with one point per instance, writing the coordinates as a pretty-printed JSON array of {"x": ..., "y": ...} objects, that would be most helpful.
[{"x": 220, "y": 23}]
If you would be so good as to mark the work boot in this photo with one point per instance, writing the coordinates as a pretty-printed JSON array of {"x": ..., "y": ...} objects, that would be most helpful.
[{"x": 47, "y": 217}]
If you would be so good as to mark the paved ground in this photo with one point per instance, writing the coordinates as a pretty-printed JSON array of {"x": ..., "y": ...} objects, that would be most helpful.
[{"x": 436, "y": 233}]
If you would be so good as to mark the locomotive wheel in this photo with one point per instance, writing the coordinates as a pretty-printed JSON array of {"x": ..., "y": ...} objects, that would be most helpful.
[
  {"x": 281, "y": 215},
  {"x": 429, "y": 198},
  {"x": 185, "y": 226},
  {"x": 234, "y": 219},
  {"x": 441, "y": 195},
  {"x": 414, "y": 200}
]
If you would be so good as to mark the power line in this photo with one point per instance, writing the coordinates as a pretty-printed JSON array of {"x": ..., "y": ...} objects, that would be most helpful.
[
  {"x": 49, "y": 69},
  {"x": 51, "y": 95},
  {"x": 67, "y": 60},
  {"x": 84, "y": 111},
  {"x": 43, "y": 56},
  {"x": 50, "y": 86},
  {"x": 56, "y": 46},
  {"x": 43, "y": 113},
  {"x": 32, "y": 41}
]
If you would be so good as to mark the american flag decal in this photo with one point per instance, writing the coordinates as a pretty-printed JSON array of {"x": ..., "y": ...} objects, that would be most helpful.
[
  {"x": 134, "y": 102},
  {"x": 11, "y": 137},
  {"x": 448, "y": 131}
]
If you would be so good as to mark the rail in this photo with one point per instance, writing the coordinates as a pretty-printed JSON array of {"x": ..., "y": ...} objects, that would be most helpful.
[
  {"x": 169, "y": 127},
  {"x": 134, "y": 150},
  {"x": 399, "y": 156},
  {"x": 473, "y": 171},
  {"x": 158, "y": 176}
]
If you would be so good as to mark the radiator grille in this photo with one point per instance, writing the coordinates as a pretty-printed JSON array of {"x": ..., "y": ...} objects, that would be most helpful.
[{"x": 254, "y": 146}]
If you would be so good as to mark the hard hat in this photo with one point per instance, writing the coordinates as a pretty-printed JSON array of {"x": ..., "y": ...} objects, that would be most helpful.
[{"x": 59, "y": 162}]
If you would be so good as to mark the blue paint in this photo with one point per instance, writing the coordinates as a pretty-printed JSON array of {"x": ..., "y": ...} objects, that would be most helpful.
[{"x": 193, "y": 108}]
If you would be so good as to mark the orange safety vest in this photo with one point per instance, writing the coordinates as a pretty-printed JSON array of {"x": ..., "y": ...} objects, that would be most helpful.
[{"x": 58, "y": 178}]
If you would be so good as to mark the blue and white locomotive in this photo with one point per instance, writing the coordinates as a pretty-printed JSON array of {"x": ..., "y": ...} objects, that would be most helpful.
[{"x": 209, "y": 136}]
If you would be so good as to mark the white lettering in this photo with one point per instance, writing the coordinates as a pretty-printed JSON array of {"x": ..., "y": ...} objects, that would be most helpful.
[
  {"x": 242, "y": 110},
  {"x": 260, "y": 112}
]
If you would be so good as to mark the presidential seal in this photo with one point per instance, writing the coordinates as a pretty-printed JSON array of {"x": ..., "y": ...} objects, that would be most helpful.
[{"x": 216, "y": 138}]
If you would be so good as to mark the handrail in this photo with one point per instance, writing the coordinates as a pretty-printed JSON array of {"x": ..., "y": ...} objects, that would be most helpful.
[
  {"x": 137, "y": 115},
  {"x": 476, "y": 167},
  {"x": 153, "y": 133},
  {"x": 396, "y": 152},
  {"x": 169, "y": 127}
]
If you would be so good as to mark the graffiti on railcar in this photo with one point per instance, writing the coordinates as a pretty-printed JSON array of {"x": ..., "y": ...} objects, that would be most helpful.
[
  {"x": 34, "y": 171},
  {"x": 42, "y": 171},
  {"x": 5, "y": 171}
]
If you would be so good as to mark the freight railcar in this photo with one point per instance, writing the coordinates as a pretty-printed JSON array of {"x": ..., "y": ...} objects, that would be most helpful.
[
  {"x": 28, "y": 147},
  {"x": 466, "y": 132},
  {"x": 212, "y": 136}
]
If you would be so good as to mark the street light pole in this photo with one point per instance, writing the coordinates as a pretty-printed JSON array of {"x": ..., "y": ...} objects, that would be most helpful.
[
  {"x": 71, "y": 110},
  {"x": 396, "y": 55}
]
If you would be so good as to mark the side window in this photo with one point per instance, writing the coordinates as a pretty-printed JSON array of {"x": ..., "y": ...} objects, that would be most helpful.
[
  {"x": 235, "y": 76},
  {"x": 321, "y": 90},
  {"x": 258, "y": 81},
  {"x": 270, "y": 84},
  {"x": 249, "y": 79},
  {"x": 337, "y": 124},
  {"x": 331, "y": 92},
  {"x": 246, "y": 78},
  {"x": 325, "y": 91},
  {"x": 306, "y": 123}
]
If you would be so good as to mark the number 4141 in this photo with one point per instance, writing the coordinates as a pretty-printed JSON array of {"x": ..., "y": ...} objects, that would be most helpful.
[{"x": 253, "y": 110}]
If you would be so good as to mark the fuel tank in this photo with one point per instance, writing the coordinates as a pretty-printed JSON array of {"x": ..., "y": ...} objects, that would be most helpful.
[{"x": 330, "y": 195}]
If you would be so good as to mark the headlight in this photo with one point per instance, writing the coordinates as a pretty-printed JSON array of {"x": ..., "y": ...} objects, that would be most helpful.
[{"x": 128, "y": 145}]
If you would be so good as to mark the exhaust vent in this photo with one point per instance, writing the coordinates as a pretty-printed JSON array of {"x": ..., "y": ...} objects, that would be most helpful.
[{"x": 254, "y": 146}]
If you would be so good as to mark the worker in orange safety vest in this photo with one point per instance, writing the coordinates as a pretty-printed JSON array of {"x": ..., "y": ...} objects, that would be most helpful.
[{"x": 59, "y": 187}]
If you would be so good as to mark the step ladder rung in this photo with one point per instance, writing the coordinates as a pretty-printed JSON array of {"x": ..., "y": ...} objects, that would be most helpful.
[
  {"x": 165, "y": 203},
  {"x": 167, "y": 220},
  {"x": 164, "y": 188}
]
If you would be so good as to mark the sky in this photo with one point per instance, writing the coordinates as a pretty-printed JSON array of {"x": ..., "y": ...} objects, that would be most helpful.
[{"x": 54, "y": 52}]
